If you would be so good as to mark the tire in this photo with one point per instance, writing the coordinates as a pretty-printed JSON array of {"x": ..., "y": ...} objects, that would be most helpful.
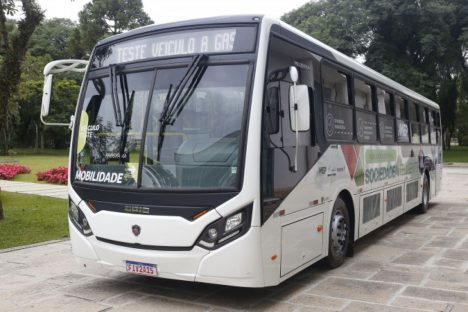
[
  {"x": 422, "y": 208},
  {"x": 339, "y": 234}
]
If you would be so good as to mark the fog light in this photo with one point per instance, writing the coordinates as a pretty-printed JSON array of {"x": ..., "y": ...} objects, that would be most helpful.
[
  {"x": 212, "y": 233},
  {"x": 233, "y": 221}
]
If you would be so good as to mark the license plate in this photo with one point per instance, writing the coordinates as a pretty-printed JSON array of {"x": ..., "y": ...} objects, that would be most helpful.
[{"x": 141, "y": 268}]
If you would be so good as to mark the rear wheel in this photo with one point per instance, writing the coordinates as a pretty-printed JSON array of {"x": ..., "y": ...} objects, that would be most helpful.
[
  {"x": 338, "y": 241},
  {"x": 422, "y": 208}
]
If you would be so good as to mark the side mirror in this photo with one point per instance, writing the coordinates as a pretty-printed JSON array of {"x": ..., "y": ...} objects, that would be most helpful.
[
  {"x": 46, "y": 95},
  {"x": 299, "y": 107},
  {"x": 56, "y": 67},
  {"x": 294, "y": 74}
]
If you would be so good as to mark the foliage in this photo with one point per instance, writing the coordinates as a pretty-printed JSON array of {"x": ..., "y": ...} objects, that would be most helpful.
[
  {"x": 28, "y": 99},
  {"x": 421, "y": 44},
  {"x": 462, "y": 105},
  {"x": 55, "y": 175},
  {"x": 53, "y": 37},
  {"x": 9, "y": 171},
  {"x": 32, "y": 219},
  {"x": 13, "y": 47},
  {"x": 101, "y": 18}
]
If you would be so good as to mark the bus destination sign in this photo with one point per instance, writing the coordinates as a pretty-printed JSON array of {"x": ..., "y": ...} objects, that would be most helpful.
[{"x": 207, "y": 41}]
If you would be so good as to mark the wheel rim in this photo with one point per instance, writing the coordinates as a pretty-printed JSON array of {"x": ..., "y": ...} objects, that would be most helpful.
[{"x": 339, "y": 234}]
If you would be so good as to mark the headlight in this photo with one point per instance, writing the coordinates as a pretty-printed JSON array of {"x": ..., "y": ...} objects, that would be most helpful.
[
  {"x": 78, "y": 219},
  {"x": 226, "y": 229}
]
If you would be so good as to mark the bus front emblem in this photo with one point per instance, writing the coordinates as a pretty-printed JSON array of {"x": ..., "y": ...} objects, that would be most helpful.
[{"x": 136, "y": 230}]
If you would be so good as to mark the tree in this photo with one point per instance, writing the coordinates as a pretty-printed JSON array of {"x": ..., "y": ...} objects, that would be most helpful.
[
  {"x": 421, "y": 44},
  {"x": 101, "y": 18},
  {"x": 29, "y": 130},
  {"x": 13, "y": 47},
  {"x": 53, "y": 37}
]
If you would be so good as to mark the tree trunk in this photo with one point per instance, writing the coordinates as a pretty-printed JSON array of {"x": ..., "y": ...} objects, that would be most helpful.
[
  {"x": 42, "y": 141},
  {"x": 36, "y": 137},
  {"x": 13, "y": 50},
  {"x": 4, "y": 139},
  {"x": 1, "y": 206}
]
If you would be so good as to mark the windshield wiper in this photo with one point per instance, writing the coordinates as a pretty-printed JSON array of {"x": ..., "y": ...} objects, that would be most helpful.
[
  {"x": 115, "y": 96},
  {"x": 126, "y": 127},
  {"x": 176, "y": 100}
]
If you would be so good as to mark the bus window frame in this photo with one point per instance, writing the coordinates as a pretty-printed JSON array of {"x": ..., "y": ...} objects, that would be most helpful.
[
  {"x": 391, "y": 115},
  {"x": 371, "y": 111},
  {"x": 405, "y": 119},
  {"x": 412, "y": 122},
  {"x": 349, "y": 80},
  {"x": 423, "y": 113}
]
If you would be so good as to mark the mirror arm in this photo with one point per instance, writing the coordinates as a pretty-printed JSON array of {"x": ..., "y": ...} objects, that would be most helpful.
[
  {"x": 70, "y": 124},
  {"x": 297, "y": 130}
]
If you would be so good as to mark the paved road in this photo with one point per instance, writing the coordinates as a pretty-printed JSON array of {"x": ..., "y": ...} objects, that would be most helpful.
[
  {"x": 415, "y": 263},
  {"x": 52, "y": 190}
]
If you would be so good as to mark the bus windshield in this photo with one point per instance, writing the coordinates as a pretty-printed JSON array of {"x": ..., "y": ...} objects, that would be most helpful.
[{"x": 171, "y": 128}]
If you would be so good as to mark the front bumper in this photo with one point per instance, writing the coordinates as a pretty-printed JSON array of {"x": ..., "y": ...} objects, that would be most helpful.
[{"x": 236, "y": 264}]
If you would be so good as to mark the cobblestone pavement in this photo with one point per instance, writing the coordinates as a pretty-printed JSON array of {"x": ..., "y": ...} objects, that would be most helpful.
[{"x": 415, "y": 263}]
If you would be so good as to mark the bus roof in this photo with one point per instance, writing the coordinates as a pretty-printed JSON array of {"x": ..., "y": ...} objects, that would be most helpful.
[
  {"x": 234, "y": 19},
  {"x": 339, "y": 57}
]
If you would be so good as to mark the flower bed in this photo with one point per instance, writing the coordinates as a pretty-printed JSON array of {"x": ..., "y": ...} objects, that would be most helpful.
[
  {"x": 55, "y": 175},
  {"x": 9, "y": 171}
]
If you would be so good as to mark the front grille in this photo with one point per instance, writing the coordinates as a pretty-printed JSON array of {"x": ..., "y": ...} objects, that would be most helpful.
[{"x": 140, "y": 246}]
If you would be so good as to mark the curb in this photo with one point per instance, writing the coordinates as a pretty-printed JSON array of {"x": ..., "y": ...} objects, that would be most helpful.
[
  {"x": 2, "y": 251},
  {"x": 455, "y": 165}
]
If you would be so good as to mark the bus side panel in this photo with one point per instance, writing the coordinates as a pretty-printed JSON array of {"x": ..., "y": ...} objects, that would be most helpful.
[{"x": 313, "y": 196}]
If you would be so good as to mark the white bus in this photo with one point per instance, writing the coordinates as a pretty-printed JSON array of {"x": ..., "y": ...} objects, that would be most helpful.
[{"x": 238, "y": 151}]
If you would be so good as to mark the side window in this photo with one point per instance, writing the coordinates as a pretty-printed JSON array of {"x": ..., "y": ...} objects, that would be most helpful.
[
  {"x": 432, "y": 127},
  {"x": 338, "y": 114},
  {"x": 386, "y": 121},
  {"x": 438, "y": 131},
  {"x": 401, "y": 120},
  {"x": 424, "y": 125},
  {"x": 400, "y": 111},
  {"x": 384, "y": 102},
  {"x": 362, "y": 95},
  {"x": 412, "y": 110},
  {"x": 366, "y": 118},
  {"x": 335, "y": 85},
  {"x": 414, "y": 121}
]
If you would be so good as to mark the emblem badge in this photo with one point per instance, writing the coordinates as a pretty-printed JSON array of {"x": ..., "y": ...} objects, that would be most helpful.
[{"x": 136, "y": 230}]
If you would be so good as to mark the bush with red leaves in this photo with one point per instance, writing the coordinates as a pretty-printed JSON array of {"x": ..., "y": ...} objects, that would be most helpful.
[
  {"x": 55, "y": 175},
  {"x": 9, "y": 171}
]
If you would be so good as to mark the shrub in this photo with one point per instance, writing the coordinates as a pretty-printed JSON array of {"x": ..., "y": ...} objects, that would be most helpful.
[
  {"x": 9, "y": 171},
  {"x": 55, "y": 175}
]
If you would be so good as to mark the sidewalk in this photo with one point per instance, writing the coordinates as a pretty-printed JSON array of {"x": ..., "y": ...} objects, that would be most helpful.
[{"x": 52, "y": 190}]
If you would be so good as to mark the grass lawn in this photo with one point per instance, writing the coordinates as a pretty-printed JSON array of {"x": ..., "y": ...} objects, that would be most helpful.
[
  {"x": 457, "y": 154},
  {"x": 32, "y": 219},
  {"x": 37, "y": 162}
]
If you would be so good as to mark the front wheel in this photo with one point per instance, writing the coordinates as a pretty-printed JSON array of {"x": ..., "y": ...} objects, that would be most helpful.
[{"x": 338, "y": 241}]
